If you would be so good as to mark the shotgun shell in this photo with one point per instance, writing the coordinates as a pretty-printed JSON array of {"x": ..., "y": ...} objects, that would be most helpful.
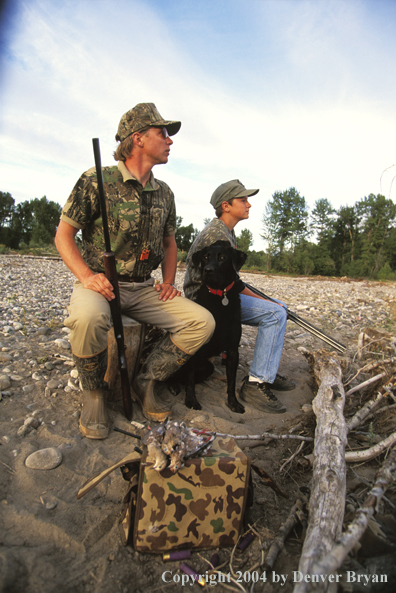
[
  {"x": 215, "y": 560},
  {"x": 243, "y": 544},
  {"x": 177, "y": 555},
  {"x": 188, "y": 570}
]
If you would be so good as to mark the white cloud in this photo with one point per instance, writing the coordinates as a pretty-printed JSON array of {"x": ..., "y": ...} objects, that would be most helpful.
[{"x": 310, "y": 103}]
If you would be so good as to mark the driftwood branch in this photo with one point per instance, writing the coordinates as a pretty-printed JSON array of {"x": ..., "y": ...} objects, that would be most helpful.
[
  {"x": 371, "y": 366},
  {"x": 366, "y": 383},
  {"x": 335, "y": 557},
  {"x": 364, "y": 412},
  {"x": 366, "y": 454},
  {"x": 263, "y": 435},
  {"x": 327, "y": 501},
  {"x": 296, "y": 514}
]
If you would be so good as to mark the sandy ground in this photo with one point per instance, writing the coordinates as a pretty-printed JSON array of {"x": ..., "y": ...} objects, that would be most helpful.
[{"x": 50, "y": 542}]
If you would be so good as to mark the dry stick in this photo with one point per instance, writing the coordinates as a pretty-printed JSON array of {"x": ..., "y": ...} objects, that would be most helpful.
[
  {"x": 367, "y": 483},
  {"x": 363, "y": 412},
  {"x": 367, "y": 454},
  {"x": 327, "y": 500},
  {"x": 12, "y": 471},
  {"x": 370, "y": 366},
  {"x": 279, "y": 542},
  {"x": 335, "y": 557},
  {"x": 359, "y": 352},
  {"x": 366, "y": 383},
  {"x": 264, "y": 435},
  {"x": 292, "y": 457},
  {"x": 383, "y": 409}
]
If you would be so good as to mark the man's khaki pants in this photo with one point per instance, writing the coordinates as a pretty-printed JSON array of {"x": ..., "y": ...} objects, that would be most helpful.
[{"x": 189, "y": 324}]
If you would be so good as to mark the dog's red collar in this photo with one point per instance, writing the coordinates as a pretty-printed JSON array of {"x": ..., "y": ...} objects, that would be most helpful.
[{"x": 220, "y": 292}]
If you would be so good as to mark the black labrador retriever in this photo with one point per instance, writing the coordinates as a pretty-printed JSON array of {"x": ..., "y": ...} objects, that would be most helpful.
[{"x": 219, "y": 264}]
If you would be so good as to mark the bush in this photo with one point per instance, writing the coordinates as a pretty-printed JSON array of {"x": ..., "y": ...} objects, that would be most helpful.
[
  {"x": 385, "y": 273},
  {"x": 181, "y": 256}
]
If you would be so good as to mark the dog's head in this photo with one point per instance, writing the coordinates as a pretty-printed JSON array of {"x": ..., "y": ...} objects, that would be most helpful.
[{"x": 219, "y": 263}]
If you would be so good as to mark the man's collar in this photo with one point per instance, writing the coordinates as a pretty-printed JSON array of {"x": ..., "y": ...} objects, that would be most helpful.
[{"x": 151, "y": 184}]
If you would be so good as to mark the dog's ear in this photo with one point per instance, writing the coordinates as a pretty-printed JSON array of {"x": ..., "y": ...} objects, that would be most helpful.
[
  {"x": 222, "y": 243},
  {"x": 238, "y": 259},
  {"x": 197, "y": 256}
]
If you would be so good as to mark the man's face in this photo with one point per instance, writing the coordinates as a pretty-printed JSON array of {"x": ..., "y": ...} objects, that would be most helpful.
[
  {"x": 157, "y": 145},
  {"x": 239, "y": 209}
]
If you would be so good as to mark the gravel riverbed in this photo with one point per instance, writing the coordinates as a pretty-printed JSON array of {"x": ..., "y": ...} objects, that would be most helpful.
[{"x": 49, "y": 541}]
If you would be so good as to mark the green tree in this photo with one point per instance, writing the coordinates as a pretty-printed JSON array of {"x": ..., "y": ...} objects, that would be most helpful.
[
  {"x": 184, "y": 235},
  {"x": 285, "y": 224},
  {"x": 20, "y": 227},
  {"x": 378, "y": 217},
  {"x": 45, "y": 220},
  {"x": 245, "y": 240},
  {"x": 322, "y": 219},
  {"x": 345, "y": 243},
  {"x": 6, "y": 207}
]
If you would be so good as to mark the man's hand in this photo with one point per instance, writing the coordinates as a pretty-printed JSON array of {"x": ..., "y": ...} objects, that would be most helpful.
[
  {"x": 167, "y": 291},
  {"x": 99, "y": 283}
]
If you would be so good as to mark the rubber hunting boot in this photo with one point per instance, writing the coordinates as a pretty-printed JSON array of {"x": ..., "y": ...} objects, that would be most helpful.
[
  {"x": 164, "y": 360},
  {"x": 94, "y": 419}
]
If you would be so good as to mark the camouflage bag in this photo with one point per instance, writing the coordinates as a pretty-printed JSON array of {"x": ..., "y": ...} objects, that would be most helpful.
[{"x": 201, "y": 506}]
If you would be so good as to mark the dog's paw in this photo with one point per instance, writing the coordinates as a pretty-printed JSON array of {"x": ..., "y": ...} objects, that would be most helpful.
[
  {"x": 193, "y": 404},
  {"x": 235, "y": 406},
  {"x": 174, "y": 388}
]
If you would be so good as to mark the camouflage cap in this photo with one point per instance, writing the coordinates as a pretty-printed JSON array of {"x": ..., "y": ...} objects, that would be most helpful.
[
  {"x": 142, "y": 116},
  {"x": 229, "y": 190}
]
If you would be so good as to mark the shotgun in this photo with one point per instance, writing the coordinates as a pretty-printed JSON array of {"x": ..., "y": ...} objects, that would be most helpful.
[
  {"x": 304, "y": 324},
  {"x": 111, "y": 275}
]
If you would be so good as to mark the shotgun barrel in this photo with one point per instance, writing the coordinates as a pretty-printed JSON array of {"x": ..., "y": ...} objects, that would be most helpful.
[
  {"x": 303, "y": 323},
  {"x": 111, "y": 275}
]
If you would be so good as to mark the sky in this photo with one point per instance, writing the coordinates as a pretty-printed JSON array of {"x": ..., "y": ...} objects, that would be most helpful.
[{"x": 275, "y": 93}]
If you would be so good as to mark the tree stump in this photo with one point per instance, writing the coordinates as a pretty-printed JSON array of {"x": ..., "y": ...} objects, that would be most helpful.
[{"x": 134, "y": 334}]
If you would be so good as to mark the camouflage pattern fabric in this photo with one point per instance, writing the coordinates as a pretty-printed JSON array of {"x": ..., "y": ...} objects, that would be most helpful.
[
  {"x": 138, "y": 219},
  {"x": 201, "y": 506},
  {"x": 216, "y": 230},
  {"x": 142, "y": 116}
]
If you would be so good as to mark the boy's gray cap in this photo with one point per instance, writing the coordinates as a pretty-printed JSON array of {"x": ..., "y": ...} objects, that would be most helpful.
[
  {"x": 229, "y": 190},
  {"x": 144, "y": 115}
]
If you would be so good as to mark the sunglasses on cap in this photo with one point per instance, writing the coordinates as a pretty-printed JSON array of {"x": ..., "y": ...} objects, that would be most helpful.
[{"x": 164, "y": 131}]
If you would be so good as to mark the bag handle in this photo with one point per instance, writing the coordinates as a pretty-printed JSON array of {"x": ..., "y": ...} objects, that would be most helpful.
[{"x": 94, "y": 481}]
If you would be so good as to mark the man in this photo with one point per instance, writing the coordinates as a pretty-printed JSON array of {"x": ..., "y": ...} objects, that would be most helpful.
[
  {"x": 142, "y": 224},
  {"x": 231, "y": 204}
]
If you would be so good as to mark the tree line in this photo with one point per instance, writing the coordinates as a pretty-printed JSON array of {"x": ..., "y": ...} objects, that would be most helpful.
[
  {"x": 355, "y": 241},
  {"x": 31, "y": 223}
]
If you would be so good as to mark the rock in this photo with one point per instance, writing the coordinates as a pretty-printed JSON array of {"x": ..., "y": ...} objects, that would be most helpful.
[
  {"x": 44, "y": 459},
  {"x": 54, "y": 384},
  {"x": 62, "y": 344},
  {"x": 28, "y": 388},
  {"x": 43, "y": 331},
  {"x": 5, "y": 382},
  {"x": 4, "y": 357},
  {"x": 33, "y": 422},
  {"x": 24, "y": 430}
]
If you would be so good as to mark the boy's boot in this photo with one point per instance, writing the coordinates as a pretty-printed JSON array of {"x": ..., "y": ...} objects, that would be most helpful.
[
  {"x": 94, "y": 419},
  {"x": 164, "y": 360}
]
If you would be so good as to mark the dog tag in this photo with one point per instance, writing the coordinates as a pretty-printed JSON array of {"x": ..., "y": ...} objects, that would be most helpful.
[{"x": 225, "y": 301}]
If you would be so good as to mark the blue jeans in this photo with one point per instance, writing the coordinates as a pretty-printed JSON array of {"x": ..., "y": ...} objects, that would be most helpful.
[{"x": 270, "y": 319}]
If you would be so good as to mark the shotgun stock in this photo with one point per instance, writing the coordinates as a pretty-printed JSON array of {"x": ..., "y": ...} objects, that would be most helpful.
[
  {"x": 303, "y": 323},
  {"x": 111, "y": 275}
]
